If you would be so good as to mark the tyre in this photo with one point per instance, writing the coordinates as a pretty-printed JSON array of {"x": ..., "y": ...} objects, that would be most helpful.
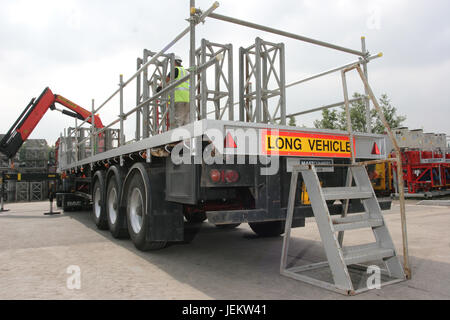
[
  {"x": 228, "y": 226},
  {"x": 98, "y": 205},
  {"x": 268, "y": 229},
  {"x": 195, "y": 217},
  {"x": 117, "y": 219},
  {"x": 138, "y": 217}
]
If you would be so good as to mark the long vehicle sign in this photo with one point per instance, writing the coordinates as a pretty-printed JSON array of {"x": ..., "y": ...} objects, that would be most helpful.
[{"x": 294, "y": 143}]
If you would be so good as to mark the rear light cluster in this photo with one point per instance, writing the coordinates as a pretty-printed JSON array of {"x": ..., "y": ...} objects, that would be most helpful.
[{"x": 224, "y": 176}]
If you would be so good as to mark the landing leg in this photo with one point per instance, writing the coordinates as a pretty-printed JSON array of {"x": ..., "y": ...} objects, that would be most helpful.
[
  {"x": 2, "y": 209},
  {"x": 51, "y": 213}
]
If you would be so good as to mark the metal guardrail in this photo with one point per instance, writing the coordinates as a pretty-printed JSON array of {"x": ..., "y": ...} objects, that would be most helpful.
[
  {"x": 198, "y": 16},
  {"x": 194, "y": 70}
]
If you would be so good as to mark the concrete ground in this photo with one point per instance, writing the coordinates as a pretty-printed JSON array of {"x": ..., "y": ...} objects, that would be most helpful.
[{"x": 36, "y": 250}]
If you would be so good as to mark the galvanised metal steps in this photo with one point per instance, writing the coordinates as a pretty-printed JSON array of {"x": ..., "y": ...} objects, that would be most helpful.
[{"x": 340, "y": 257}]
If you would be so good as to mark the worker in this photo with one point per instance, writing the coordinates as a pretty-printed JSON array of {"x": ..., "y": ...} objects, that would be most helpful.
[{"x": 181, "y": 103}]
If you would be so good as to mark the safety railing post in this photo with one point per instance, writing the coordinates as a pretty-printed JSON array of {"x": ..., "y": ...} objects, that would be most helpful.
[
  {"x": 264, "y": 86},
  {"x": 347, "y": 114},
  {"x": 203, "y": 84},
  {"x": 258, "y": 71},
  {"x": 230, "y": 83},
  {"x": 60, "y": 152},
  {"x": 65, "y": 147},
  {"x": 76, "y": 141},
  {"x": 195, "y": 143},
  {"x": 122, "y": 135},
  {"x": 192, "y": 115},
  {"x": 242, "y": 109},
  {"x": 92, "y": 128},
  {"x": 401, "y": 186},
  {"x": 145, "y": 95},
  {"x": 170, "y": 96},
  {"x": 282, "y": 85},
  {"x": 138, "y": 100},
  {"x": 366, "y": 100}
]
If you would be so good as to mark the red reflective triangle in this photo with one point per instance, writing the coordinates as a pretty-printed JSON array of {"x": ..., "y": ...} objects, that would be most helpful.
[
  {"x": 229, "y": 142},
  {"x": 376, "y": 150}
]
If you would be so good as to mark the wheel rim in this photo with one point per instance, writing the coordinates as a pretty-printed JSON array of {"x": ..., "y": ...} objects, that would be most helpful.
[
  {"x": 136, "y": 210},
  {"x": 112, "y": 205},
  {"x": 97, "y": 207}
]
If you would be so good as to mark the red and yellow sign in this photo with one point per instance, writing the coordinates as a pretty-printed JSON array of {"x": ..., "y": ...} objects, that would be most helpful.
[{"x": 294, "y": 143}]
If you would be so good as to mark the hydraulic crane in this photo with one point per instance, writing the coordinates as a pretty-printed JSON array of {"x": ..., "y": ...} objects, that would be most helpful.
[{"x": 33, "y": 113}]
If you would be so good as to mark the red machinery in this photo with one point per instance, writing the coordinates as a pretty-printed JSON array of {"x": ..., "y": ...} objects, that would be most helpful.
[
  {"x": 425, "y": 171},
  {"x": 425, "y": 160},
  {"x": 33, "y": 113}
]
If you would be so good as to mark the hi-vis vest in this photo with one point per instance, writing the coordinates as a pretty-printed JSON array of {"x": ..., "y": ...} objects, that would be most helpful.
[{"x": 182, "y": 90}]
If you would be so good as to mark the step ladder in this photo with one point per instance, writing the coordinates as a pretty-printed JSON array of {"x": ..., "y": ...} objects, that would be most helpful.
[{"x": 331, "y": 229}]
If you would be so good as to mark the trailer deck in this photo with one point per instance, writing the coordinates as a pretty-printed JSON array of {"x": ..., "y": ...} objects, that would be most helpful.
[{"x": 364, "y": 142}]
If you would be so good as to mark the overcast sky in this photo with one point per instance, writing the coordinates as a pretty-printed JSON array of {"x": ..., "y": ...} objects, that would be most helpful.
[{"x": 79, "y": 48}]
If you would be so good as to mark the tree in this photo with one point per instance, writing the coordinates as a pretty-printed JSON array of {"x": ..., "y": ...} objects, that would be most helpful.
[
  {"x": 329, "y": 120},
  {"x": 332, "y": 119},
  {"x": 390, "y": 113}
]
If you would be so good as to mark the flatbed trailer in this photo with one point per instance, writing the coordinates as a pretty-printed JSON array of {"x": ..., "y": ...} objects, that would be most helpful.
[
  {"x": 227, "y": 168},
  {"x": 191, "y": 185},
  {"x": 172, "y": 191}
]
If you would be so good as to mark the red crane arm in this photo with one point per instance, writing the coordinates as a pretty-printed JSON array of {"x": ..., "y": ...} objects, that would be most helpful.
[
  {"x": 79, "y": 110},
  {"x": 33, "y": 113}
]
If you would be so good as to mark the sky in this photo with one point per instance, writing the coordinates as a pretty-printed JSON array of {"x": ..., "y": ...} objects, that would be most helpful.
[{"x": 79, "y": 49}]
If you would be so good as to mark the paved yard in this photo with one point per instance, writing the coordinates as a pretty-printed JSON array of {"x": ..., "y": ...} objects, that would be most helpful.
[{"x": 36, "y": 250}]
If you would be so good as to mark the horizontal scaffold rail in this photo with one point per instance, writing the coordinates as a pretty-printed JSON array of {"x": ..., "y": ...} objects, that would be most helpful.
[{"x": 285, "y": 34}]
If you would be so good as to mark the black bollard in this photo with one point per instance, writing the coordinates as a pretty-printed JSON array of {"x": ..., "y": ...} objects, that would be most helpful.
[
  {"x": 51, "y": 213},
  {"x": 2, "y": 209}
]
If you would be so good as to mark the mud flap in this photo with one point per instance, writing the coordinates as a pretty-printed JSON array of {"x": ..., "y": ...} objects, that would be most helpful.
[
  {"x": 182, "y": 182},
  {"x": 166, "y": 221}
]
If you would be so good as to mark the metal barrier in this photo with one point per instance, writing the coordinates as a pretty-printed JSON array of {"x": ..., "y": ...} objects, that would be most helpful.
[{"x": 263, "y": 69}]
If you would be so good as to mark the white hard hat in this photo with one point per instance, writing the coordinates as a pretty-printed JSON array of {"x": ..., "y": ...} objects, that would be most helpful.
[{"x": 178, "y": 58}]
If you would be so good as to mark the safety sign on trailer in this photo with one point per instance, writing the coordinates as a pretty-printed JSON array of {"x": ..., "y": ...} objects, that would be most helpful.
[{"x": 294, "y": 143}]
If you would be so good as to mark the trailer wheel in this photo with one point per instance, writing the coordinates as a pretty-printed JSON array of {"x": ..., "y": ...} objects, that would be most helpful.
[
  {"x": 117, "y": 219},
  {"x": 268, "y": 229},
  {"x": 98, "y": 205},
  {"x": 137, "y": 217}
]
